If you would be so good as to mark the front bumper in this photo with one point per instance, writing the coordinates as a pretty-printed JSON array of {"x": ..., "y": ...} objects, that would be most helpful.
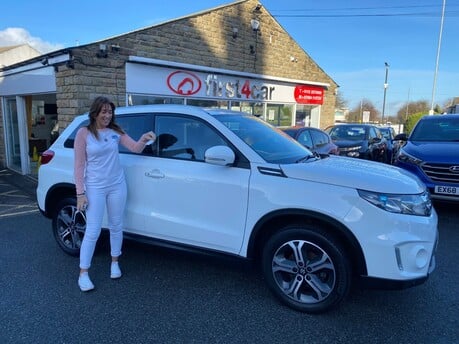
[
  {"x": 399, "y": 249},
  {"x": 390, "y": 284}
]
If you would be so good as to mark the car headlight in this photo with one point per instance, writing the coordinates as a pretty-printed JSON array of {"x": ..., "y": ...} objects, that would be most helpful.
[
  {"x": 419, "y": 204},
  {"x": 405, "y": 157}
]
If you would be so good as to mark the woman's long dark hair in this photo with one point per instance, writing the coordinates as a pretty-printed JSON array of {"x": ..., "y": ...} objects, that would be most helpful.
[{"x": 94, "y": 110}]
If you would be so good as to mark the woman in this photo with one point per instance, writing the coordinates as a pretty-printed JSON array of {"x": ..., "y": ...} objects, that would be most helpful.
[{"x": 100, "y": 182}]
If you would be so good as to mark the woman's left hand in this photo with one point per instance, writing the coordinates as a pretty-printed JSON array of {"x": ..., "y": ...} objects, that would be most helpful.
[{"x": 150, "y": 136}]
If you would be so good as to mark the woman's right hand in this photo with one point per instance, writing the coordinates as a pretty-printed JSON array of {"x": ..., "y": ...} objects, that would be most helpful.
[{"x": 82, "y": 203}]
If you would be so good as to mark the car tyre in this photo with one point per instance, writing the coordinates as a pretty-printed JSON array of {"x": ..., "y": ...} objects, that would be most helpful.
[
  {"x": 69, "y": 226},
  {"x": 306, "y": 268}
]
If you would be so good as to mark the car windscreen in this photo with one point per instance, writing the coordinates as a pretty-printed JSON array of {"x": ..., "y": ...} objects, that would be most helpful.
[
  {"x": 386, "y": 133},
  {"x": 270, "y": 143},
  {"x": 441, "y": 129},
  {"x": 344, "y": 132}
]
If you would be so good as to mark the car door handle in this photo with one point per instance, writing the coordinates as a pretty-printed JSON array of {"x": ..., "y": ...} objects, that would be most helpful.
[{"x": 154, "y": 174}]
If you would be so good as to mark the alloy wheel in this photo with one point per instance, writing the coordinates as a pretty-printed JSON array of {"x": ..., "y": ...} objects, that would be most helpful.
[{"x": 303, "y": 271}]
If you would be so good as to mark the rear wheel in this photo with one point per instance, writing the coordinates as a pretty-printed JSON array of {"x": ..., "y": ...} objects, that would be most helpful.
[
  {"x": 306, "y": 268},
  {"x": 69, "y": 226}
]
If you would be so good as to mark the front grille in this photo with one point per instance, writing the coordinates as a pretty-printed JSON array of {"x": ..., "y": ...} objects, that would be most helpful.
[
  {"x": 441, "y": 173},
  {"x": 349, "y": 149}
]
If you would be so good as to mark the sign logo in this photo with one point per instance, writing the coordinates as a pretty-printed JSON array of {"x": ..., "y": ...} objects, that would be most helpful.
[
  {"x": 454, "y": 169},
  {"x": 306, "y": 94},
  {"x": 183, "y": 83}
]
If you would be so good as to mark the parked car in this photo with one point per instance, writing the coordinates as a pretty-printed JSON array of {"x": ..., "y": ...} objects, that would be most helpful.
[
  {"x": 316, "y": 140},
  {"x": 313, "y": 224},
  {"x": 363, "y": 141},
  {"x": 432, "y": 153},
  {"x": 393, "y": 145}
]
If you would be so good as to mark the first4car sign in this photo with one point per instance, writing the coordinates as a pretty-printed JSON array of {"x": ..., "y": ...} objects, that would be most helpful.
[{"x": 167, "y": 81}]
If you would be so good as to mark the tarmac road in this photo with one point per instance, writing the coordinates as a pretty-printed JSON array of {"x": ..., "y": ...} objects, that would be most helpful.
[{"x": 167, "y": 296}]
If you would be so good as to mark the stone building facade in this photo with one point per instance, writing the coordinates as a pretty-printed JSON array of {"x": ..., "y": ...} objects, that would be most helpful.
[{"x": 241, "y": 38}]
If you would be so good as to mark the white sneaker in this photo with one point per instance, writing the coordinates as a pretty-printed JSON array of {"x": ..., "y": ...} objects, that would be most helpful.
[
  {"x": 84, "y": 282},
  {"x": 115, "y": 271}
]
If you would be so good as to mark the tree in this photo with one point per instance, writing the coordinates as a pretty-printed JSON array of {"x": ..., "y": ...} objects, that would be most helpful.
[
  {"x": 340, "y": 102},
  {"x": 438, "y": 109},
  {"x": 412, "y": 120},
  {"x": 356, "y": 114},
  {"x": 410, "y": 108}
]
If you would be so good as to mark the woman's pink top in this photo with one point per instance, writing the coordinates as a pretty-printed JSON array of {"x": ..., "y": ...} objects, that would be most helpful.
[{"x": 97, "y": 162}]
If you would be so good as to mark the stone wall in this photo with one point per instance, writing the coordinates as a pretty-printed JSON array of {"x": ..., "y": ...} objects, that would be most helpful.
[{"x": 203, "y": 39}]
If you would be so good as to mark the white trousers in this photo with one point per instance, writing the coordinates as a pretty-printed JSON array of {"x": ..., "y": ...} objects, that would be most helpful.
[{"x": 114, "y": 198}]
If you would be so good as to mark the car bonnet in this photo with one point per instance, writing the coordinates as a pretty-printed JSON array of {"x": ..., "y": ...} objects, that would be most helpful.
[
  {"x": 358, "y": 174},
  {"x": 438, "y": 152}
]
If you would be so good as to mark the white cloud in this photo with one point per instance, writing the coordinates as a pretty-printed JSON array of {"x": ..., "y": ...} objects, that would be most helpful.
[{"x": 17, "y": 35}]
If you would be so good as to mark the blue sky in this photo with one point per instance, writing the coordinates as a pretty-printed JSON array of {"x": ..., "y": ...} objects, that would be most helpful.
[{"x": 350, "y": 40}]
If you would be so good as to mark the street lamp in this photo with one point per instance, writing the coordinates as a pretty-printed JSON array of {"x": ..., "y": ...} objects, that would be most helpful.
[
  {"x": 431, "y": 111},
  {"x": 385, "y": 90}
]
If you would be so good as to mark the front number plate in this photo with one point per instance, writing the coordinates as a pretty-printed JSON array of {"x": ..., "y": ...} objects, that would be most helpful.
[{"x": 447, "y": 190}]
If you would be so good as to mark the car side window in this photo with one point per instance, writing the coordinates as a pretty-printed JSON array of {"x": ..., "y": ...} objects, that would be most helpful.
[
  {"x": 183, "y": 137},
  {"x": 305, "y": 139},
  {"x": 392, "y": 133},
  {"x": 373, "y": 133},
  {"x": 319, "y": 138},
  {"x": 134, "y": 126},
  {"x": 70, "y": 141}
]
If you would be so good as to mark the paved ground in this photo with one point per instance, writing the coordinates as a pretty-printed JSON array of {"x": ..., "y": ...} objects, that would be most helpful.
[
  {"x": 17, "y": 194},
  {"x": 168, "y": 296}
]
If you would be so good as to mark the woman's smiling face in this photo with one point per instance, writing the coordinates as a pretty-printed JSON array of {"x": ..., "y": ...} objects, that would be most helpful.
[{"x": 104, "y": 117}]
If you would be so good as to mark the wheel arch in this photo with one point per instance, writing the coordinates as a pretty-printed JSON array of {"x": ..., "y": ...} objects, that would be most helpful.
[
  {"x": 273, "y": 222},
  {"x": 55, "y": 194}
]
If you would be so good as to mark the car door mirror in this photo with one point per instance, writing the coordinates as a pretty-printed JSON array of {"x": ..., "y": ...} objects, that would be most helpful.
[
  {"x": 219, "y": 155},
  {"x": 400, "y": 137}
]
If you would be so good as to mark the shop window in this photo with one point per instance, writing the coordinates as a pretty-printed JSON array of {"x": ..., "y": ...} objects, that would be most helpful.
[
  {"x": 303, "y": 115},
  {"x": 255, "y": 109},
  {"x": 135, "y": 99},
  {"x": 279, "y": 115},
  {"x": 207, "y": 103}
]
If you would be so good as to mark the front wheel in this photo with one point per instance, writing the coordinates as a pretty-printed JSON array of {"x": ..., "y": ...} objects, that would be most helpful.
[
  {"x": 306, "y": 268},
  {"x": 69, "y": 226}
]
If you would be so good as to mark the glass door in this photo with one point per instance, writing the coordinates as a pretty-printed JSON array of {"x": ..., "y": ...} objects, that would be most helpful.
[
  {"x": 17, "y": 157},
  {"x": 13, "y": 147}
]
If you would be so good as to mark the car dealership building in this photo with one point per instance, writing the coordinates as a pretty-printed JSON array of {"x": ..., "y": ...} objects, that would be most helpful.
[{"x": 234, "y": 56}]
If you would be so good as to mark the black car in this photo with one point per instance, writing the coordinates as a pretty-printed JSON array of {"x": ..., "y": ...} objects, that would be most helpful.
[
  {"x": 316, "y": 140},
  {"x": 363, "y": 141},
  {"x": 393, "y": 145}
]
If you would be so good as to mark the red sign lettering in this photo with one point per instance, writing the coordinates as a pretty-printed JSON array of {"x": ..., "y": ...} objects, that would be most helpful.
[{"x": 307, "y": 94}]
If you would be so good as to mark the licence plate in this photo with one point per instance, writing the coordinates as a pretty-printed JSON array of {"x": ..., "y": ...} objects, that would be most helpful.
[{"x": 447, "y": 190}]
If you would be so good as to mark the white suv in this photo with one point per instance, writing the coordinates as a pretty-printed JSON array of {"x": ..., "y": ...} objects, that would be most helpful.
[{"x": 230, "y": 183}]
